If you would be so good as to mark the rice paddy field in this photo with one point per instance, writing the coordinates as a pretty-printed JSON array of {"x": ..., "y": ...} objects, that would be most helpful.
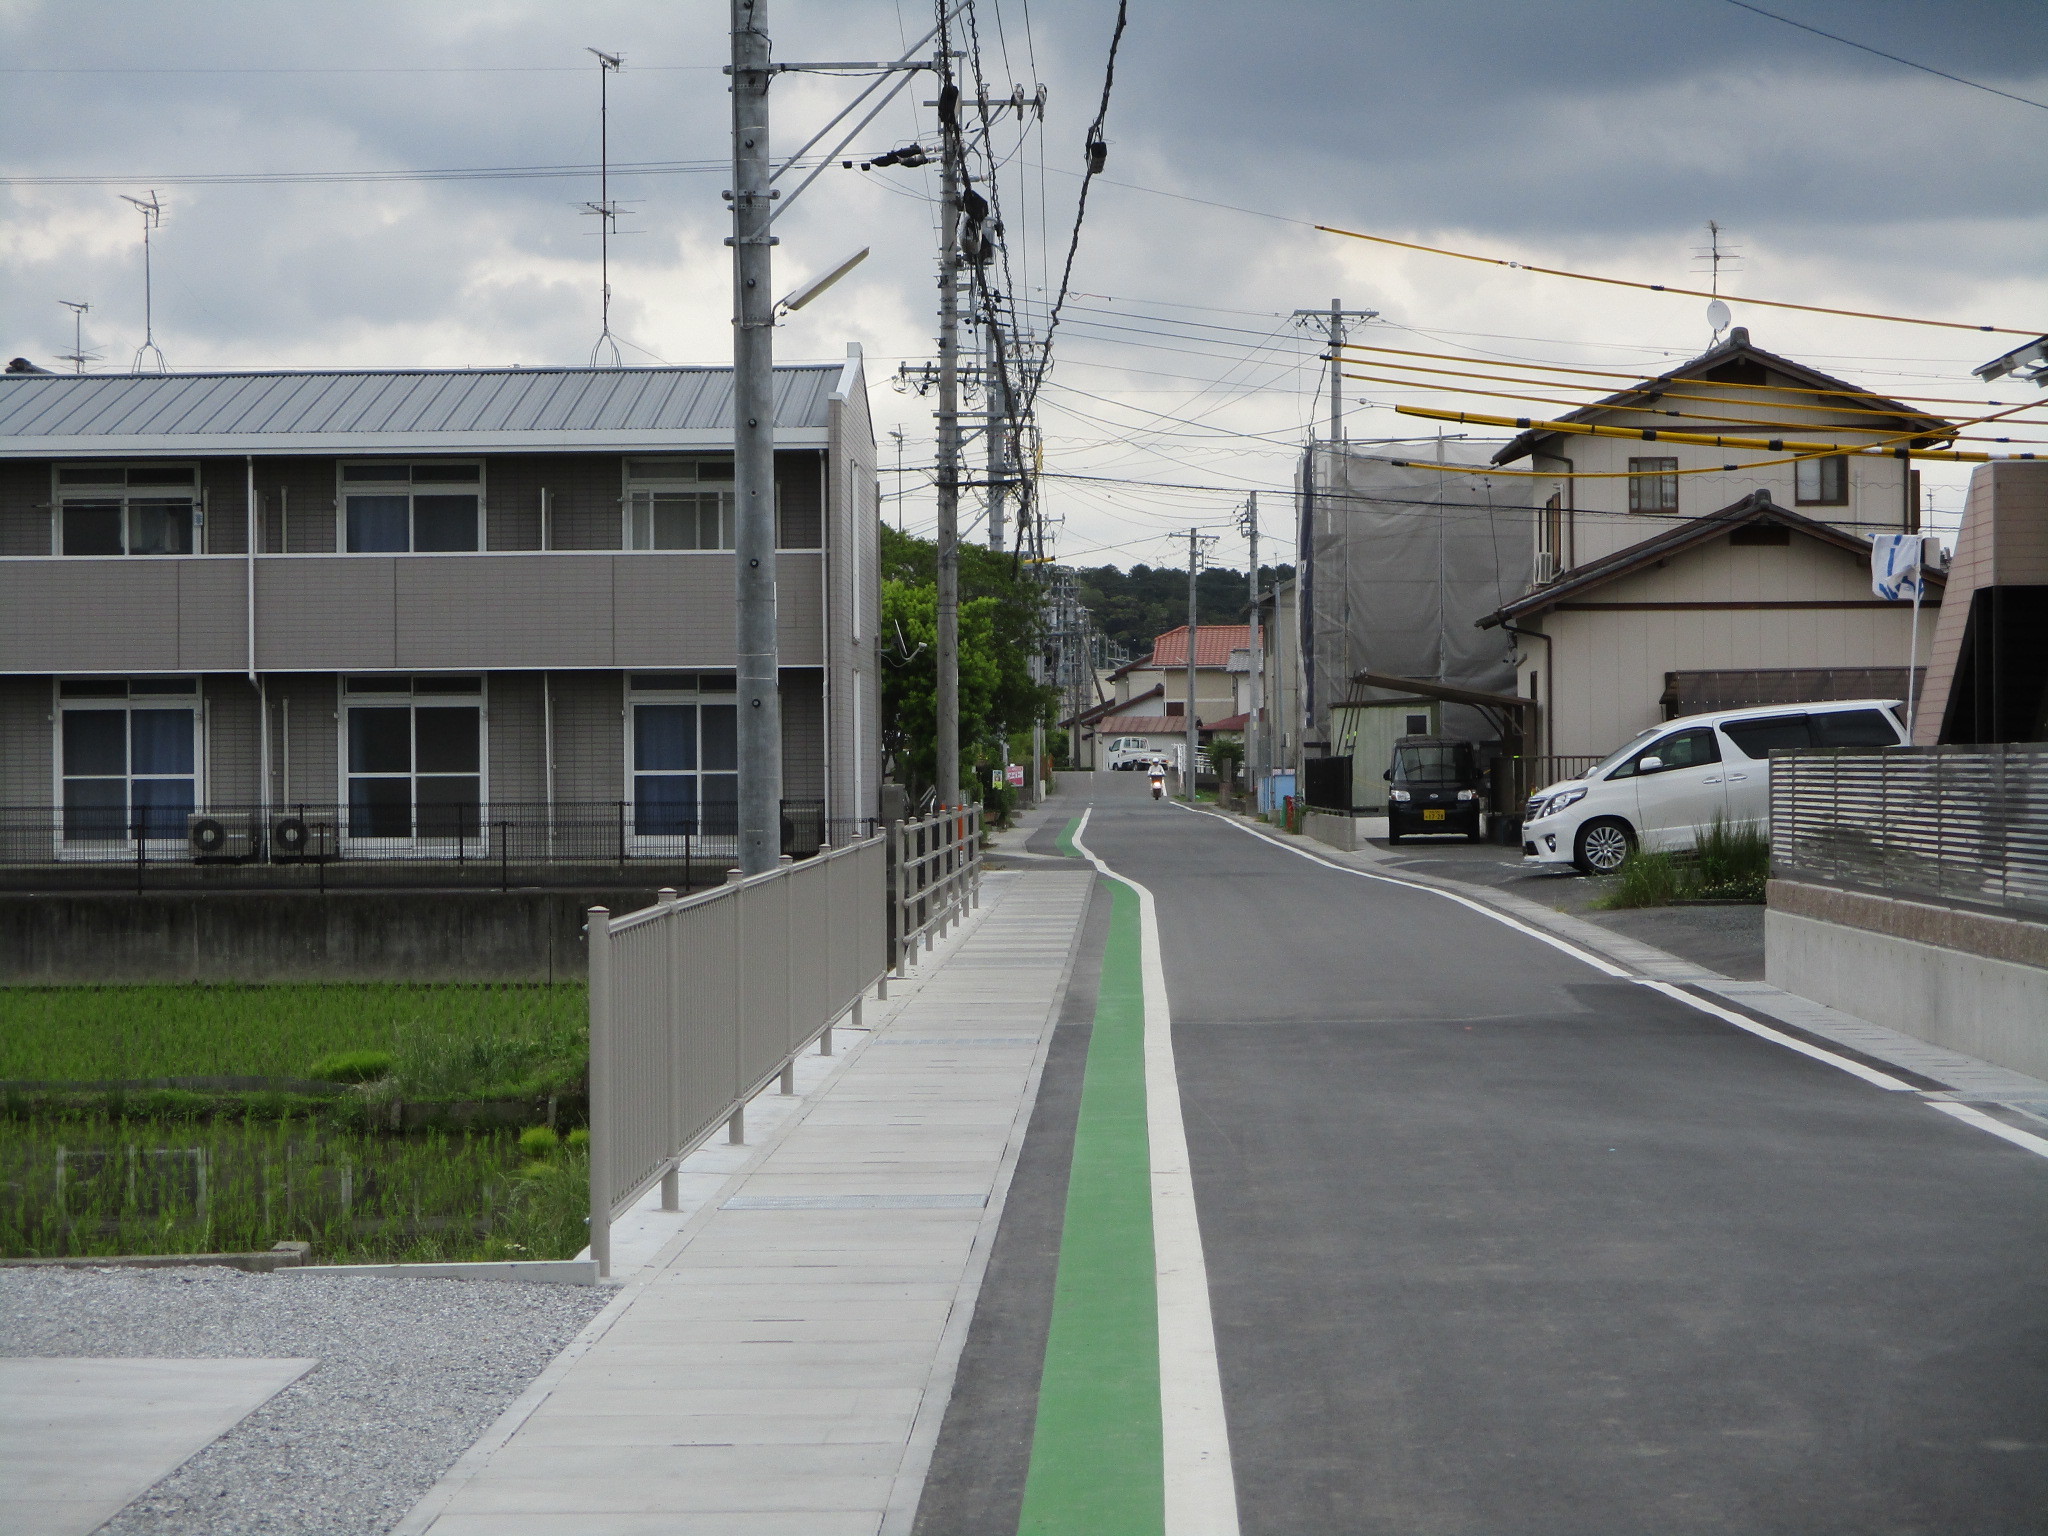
[
  {"x": 445, "y": 1035},
  {"x": 103, "y": 1173}
]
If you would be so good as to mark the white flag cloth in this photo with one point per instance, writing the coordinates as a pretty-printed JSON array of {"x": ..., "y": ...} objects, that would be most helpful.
[{"x": 1895, "y": 566}]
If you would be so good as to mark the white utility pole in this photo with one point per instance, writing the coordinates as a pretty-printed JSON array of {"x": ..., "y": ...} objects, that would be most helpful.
[
  {"x": 757, "y": 648},
  {"x": 1331, "y": 323}
]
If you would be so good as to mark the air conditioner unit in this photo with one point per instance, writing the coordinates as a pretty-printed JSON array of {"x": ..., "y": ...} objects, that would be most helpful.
[
  {"x": 220, "y": 838},
  {"x": 303, "y": 839}
]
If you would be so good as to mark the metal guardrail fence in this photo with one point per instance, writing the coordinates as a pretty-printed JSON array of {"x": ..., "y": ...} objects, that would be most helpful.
[
  {"x": 325, "y": 844},
  {"x": 938, "y": 877},
  {"x": 1966, "y": 824},
  {"x": 696, "y": 1003}
]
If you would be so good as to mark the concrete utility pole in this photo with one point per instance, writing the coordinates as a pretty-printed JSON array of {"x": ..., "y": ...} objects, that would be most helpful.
[
  {"x": 1255, "y": 746},
  {"x": 1331, "y": 323},
  {"x": 757, "y": 656},
  {"x": 948, "y": 649},
  {"x": 1194, "y": 725}
]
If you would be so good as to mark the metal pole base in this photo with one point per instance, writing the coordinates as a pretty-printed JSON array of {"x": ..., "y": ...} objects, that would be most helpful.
[
  {"x": 736, "y": 1127},
  {"x": 789, "y": 1077},
  {"x": 671, "y": 1190},
  {"x": 825, "y": 1040}
]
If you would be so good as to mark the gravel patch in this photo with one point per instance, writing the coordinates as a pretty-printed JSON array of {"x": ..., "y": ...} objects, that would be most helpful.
[{"x": 411, "y": 1372}]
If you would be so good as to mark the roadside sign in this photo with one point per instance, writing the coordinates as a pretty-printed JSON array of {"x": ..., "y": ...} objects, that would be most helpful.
[{"x": 1016, "y": 775}]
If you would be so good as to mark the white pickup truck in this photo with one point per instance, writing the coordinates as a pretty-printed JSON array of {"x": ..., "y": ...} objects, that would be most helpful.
[{"x": 1127, "y": 754}]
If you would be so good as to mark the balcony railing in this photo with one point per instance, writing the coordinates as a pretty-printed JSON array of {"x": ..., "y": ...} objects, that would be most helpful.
[{"x": 330, "y": 846}]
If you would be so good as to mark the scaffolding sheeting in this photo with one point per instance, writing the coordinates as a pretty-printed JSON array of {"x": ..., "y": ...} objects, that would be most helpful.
[{"x": 1401, "y": 563}]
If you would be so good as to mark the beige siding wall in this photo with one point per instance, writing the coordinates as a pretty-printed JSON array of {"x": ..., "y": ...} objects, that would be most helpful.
[{"x": 1602, "y": 523}]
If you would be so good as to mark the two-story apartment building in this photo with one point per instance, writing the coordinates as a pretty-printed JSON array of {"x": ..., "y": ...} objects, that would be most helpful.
[
  {"x": 1672, "y": 577},
  {"x": 464, "y": 613}
]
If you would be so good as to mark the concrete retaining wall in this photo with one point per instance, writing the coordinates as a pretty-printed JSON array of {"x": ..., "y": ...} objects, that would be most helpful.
[
  {"x": 1974, "y": 982},
  {"x": 1338, "y": 831},
  {"x": 275, "y": 936}
]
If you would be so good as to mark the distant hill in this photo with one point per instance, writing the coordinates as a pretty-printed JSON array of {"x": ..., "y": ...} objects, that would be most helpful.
[{"x": 1132, "y": 607}]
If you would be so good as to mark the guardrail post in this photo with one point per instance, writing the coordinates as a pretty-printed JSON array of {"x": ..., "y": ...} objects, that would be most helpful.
[
  {"x": 789, "y": 1078},
  {"x": 599, "y": 929},
  {"x": 736, "y": 1127}
]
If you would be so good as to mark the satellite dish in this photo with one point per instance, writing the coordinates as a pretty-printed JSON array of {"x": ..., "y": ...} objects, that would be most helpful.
[{"x": 1718, "y": 316}]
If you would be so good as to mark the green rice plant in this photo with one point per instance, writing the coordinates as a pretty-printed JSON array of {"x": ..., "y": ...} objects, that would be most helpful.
[
  {"x": 538, "y": 1141},
  {"x": 99, "y": 1186},
  {"x": 352, "y": 1067},
  {"x": 1644, "y": 880},
  {"x": 447, "y": 1039}
]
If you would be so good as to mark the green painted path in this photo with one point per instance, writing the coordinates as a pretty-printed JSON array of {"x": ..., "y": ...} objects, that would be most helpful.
[{"x": 1096, "y": 1463}]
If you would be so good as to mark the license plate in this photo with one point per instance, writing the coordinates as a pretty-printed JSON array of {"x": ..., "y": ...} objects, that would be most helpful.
[{"x": 1432, "y": 815}]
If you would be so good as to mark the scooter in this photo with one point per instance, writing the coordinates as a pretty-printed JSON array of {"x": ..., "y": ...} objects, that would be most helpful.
[{"x": 1158, "y": 786}]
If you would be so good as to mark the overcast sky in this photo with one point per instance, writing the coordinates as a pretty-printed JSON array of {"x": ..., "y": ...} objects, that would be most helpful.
[{"x": 1599, "y": 135}]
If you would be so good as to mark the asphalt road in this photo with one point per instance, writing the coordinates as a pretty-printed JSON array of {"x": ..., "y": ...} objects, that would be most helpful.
[{"x": 1499, "y": 1244}]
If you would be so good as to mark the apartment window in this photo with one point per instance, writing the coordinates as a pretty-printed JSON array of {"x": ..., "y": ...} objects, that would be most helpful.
[
  {"x": 684, "y": 750},
  {"x": 1821, "y": 482},
  {"x": 1653, "y": 485},
  {"x": 127, "y": 755},
  {"x": 679, "y": 503},
  {"x": 126, "y": 509},
  {"x": 415, "y": 756},
  {"x": 421, "y": 508}
]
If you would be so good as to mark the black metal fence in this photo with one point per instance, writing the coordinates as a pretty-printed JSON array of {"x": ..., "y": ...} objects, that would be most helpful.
[
  {"x": 1965, "y": 824},
  {"x": 328, "y": 845}
]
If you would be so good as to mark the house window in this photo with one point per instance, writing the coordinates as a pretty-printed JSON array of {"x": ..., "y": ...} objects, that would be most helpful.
[
  {"x": 679, "y": 504},
  {"x": 1821, "y": 482},
  {"x": 126, "y": 509},
  {"x": 126, "y": 752},
  {"x": 1653, "y": 485},
  {"x": 683, "y": 747},
  {"x": 421, "y": 508},
  {"x": 1550, "y": 538},
  {"x": 414, "y": 750}
]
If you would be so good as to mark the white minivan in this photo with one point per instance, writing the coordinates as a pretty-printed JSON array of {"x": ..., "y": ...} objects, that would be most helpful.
[{"x": 1674, "y": 781}]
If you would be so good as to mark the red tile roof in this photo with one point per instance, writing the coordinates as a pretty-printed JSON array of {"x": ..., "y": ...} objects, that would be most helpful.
[{"x": 1213, "y": 645}]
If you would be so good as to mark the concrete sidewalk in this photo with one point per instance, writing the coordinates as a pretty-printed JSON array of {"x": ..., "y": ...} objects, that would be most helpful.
[{"x": 783, "y": 1363}]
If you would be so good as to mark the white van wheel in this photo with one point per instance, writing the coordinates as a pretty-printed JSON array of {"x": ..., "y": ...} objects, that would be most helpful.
[{"x": 1602, "y": 845}]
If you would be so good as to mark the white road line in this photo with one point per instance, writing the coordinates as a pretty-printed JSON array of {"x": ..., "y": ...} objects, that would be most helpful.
[
  {"x": 1764, "y": 1031},
  {"x": 1201, "y": 1484},
  {"x": 2038, "y": 1145},
  {"x": 1962, "y": 1112},
  {"x": 1585, "y": 956}
]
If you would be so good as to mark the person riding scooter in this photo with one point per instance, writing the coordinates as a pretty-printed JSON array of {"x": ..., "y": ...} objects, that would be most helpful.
[{"x": 1158, "y": 784}]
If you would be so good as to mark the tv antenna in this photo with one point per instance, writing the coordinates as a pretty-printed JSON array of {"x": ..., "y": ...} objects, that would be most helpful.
[
  {"x": 604, "y": 209},
  {"x": 77, "y": 357},
  {"x": 152, "y": 217},
  {"x": 1716, "y": 254}
]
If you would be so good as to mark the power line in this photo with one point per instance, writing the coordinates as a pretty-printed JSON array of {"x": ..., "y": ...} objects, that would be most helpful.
[
  {"x": 1694, "y": 293},
  {"x": 1929, "y": 69}
]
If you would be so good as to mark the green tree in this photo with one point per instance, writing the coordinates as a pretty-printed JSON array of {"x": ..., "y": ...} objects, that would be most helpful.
[{"x": 998, "y": 635}]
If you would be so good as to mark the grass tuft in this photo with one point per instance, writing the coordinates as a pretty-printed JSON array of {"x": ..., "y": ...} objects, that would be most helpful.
[
  {"x": 1732, "y": 862},
  {"x": 352, "y": 1067}
]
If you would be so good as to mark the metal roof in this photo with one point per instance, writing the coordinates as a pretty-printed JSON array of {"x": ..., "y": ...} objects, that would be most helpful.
[{"x": 52, "y": 415}]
